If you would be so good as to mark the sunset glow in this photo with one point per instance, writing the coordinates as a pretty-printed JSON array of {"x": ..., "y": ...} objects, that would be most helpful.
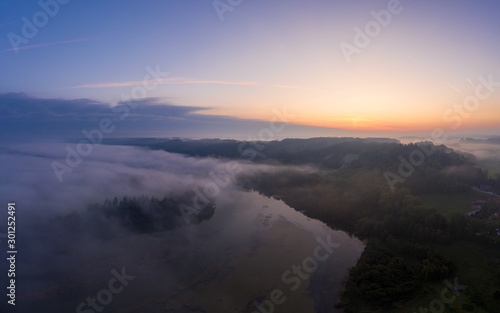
[{"x": 402, "y": 73}]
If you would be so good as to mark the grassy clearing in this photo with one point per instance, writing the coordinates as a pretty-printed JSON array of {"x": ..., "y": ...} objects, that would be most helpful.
[
  {"x": 492, "y": 165},
  {"x": 446, "y": 204},
  {"x": 478, "y": 268}
]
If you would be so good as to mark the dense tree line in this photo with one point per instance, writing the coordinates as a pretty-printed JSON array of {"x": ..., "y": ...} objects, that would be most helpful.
[
  {"x": 443, "y": 169},
  {"x": 379, "y": 278},
  {"x": 136, "y": 214},
  {"x": 391, "y": 271},
  {"x": 145, "y": 214}
]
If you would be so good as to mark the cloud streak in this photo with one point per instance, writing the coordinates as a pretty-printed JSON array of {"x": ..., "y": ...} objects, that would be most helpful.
[
  {"x": 453, "y": 87},
  {"x": 47, "y": 44},
  {"x": 300, "y": 88},
  {"x": 166, "y": 81},
  {"x": 26, "y": 118}
]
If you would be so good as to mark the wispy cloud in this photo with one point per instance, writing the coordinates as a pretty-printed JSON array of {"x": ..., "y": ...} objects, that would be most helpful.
[
  {"x": 162, "y": 81},
  {"x": 453, "y": 87},
  {"x": 364, "y": 122},
  {"x": 166, "y": 81},
  {"x": 24, "y": 118},
  {"x": 471, "y": 83},
  {"x": 244, "y": 83},
  {"x": 9, "y": 23},
  {"x": 46, "y": 44},
  {"x": 299, "y": 88},
  {"x": 181, "y": 80}
]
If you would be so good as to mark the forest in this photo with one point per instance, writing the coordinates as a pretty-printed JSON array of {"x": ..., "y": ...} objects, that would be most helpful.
[{"x": 136, "y": 214}]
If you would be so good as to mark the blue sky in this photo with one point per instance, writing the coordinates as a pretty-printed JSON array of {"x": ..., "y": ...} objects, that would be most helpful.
[{"x": 264, "y": 55}]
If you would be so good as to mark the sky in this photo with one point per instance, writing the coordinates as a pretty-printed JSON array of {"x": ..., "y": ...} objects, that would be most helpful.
[{"x": 202, "y": 68}]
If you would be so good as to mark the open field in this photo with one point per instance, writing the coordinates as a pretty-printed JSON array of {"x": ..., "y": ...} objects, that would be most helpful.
[
  {"x": 492, "y": 165},
  {"x": 478, "y": 268},
  {"x": 446, "y": 204}
]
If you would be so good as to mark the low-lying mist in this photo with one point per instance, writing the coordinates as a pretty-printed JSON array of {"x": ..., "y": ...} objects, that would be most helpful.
[
  {"x": 487, "y": 154},
  {"x": 62, "y": 252}
]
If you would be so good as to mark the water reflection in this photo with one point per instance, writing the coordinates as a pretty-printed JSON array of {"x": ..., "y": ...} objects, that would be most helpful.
[{"x": 250, "y": 249}]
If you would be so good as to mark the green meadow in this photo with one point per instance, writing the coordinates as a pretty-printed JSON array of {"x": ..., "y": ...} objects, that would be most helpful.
[{"x": 446, "y": 204}]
